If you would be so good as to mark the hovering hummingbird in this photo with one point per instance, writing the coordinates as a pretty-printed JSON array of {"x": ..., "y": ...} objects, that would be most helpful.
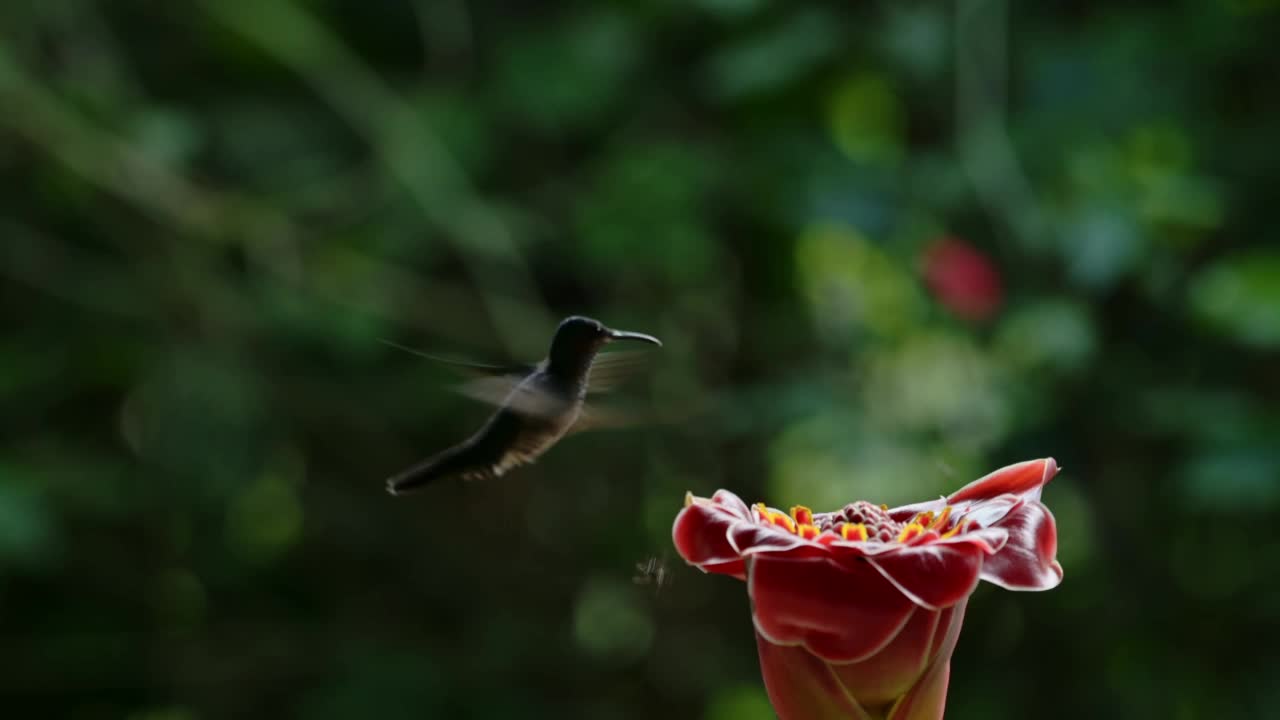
[{"x": 537, "y": 405}]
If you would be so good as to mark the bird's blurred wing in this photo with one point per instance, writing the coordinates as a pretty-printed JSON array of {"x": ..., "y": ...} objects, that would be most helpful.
[
  {"x": 611, "y": 369},
  {"x": 596, "y": 417},
  {"x": 508, "y": 392},
  {"x": 600, "y": 416},
  {"x": 611, "y": 415},
  {"x": 467, "y": 367}
]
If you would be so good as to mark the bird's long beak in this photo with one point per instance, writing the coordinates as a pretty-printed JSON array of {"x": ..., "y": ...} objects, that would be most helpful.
[{"x": 624, "y": 335}]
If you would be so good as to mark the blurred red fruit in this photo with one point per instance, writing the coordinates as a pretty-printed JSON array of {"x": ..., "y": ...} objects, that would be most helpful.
[{"x": 963, "y": 279}]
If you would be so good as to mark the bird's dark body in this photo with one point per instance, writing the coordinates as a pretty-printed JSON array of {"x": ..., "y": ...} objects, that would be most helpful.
[
  {"x": 539, "y": 410},
  {"x": 512, "y": 435}
]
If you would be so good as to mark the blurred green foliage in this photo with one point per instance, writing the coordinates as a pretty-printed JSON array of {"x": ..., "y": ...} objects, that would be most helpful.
[{"x": 214, "y": 210}]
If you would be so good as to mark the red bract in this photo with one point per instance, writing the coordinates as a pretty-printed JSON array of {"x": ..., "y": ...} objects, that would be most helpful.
[{"x": 857, "y": 611}]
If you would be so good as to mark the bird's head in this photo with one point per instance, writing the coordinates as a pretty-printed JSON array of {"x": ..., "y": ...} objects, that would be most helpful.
[{"x": 579, "y": 338}]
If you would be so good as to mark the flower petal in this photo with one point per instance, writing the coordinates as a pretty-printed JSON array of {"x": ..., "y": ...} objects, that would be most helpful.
[
  {"x": 1027, "y": 561},
  {"x": 841, "y": 612},
  {"x": 803, "y": 687},
  {"x": 928, "y": 698},
  {"x": 989, "y": 513},
  {"x": 1024, "y": 478},
  {"x": 700, "y": 534},
  {"x": 933, "y": 576},
  {"x": 990, "y": 540},
  {"x": 764, "y": 537},
  {"x": 732, "y": 504},
  {"x": 847, "y": 550},
  {"x": 886, "y": 676}
]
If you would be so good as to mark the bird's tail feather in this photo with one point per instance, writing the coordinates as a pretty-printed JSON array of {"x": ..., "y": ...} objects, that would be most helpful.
[{"x": 434, "y": 468}]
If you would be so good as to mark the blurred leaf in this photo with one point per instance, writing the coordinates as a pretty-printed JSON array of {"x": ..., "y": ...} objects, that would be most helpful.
[
  {"x": 644, "y": 210},
  {"x": 732, "y": 9},
  {"x": 1056, "y": 334},
  {"x": 278, "y": 147},
  {"x": 940, "y": 382},
  {"x": 197, "y": 417},
  {"x": 1157, "y": 151},
  {"x": 462, "y": 125},
  {"x": 265, "y": 519},
  {"x": 1242, "y": 479},
  {"x": 917, "y": 39},
  {"x": 851, "y": 284},
  {"x": 28, "y": 530},
  {"x": 866, "y": 120},
  {"x": 168, "y": 136},
  {"x": 1190, "y": 201},
  {"x": 568, "y": 76},
  {"x": 1240, "y": 296},
  {"x": 1102, "y": 245},
  {"x": 766, "y": 61}
]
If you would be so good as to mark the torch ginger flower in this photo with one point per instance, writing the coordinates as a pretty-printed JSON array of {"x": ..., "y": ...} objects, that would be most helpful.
[{"x": 857, "y": 611}]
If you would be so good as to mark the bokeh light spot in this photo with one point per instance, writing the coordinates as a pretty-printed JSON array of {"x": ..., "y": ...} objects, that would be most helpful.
[
  {"x": 610, "y": 623},
  {"x": 942, "y": 382},
  {"x": 829, "y": 460},
  {"x": 27, "y": 531},
  {"x": 744, "y": 702},
  {"x": 1055, "y": 334},
  {"x": 265, "y": 519},
  {"x": 1241, "y": 297},
  {"x": 850, "y": 283},
  {"x": 866, "y": 120}
]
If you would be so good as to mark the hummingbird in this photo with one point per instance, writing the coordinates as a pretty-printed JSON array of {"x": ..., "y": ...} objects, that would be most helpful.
[{"x": 537, "y": 406}]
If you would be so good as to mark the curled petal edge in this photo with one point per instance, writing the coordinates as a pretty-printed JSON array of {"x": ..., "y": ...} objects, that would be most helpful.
[
  {"x": 1025, "y": 479},
  {"x": 1028, "y": 560}
]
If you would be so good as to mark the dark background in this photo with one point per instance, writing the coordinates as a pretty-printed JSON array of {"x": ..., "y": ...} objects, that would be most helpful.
[{"x": 212, "y": 212}]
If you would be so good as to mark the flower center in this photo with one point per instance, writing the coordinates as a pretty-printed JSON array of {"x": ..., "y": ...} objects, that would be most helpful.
[
  {"x": 874, "y": 519},
  {"x": 862, "y": 521}
]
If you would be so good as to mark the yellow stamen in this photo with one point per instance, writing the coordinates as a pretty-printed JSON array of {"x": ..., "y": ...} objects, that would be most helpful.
[
  {"x": 959, "y": 528},
  {"x": 910, "y": 531},
  {"x": 853, "y": 531},
  {"x": 802, "y": 514},
  {"x": 924, "y": 518},
  {"x": 884, "y": 507},
  {"x": 782, "y": 520},
  {"x": 808, "y": 532},
  {"x": 942, "y": 519}
]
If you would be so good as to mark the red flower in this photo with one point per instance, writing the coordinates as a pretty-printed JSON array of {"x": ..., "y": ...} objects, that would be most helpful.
[
  {"x": 857, "y": 611},
  {"x": 963, "y": 279}
]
